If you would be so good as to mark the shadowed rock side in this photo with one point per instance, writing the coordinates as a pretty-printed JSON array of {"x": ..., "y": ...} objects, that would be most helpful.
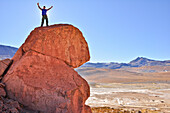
[
  {"x": 3, "y": 66},
  {"x": 41, "y": 76},
  {"x": 6, "y": 105}
]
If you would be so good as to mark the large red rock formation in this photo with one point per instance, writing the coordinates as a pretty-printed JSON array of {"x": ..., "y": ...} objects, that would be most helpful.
[{"x": 41, "y": 76}]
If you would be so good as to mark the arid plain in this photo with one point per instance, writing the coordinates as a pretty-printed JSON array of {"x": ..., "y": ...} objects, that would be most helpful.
[{"x": 144, "y": 88}]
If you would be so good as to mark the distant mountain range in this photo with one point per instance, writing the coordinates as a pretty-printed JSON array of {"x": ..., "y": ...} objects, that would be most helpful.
[
  {"x": 138, "y": 62},
  {"x": 7, "y": 51}
]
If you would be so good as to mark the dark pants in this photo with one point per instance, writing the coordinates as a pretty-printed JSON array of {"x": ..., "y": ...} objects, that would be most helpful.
[{"x": 44, "y": 17}]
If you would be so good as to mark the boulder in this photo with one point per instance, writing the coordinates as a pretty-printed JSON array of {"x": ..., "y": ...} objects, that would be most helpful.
[
  {"x": 61, "y": 41},
  {"x": 3, "y": 66},
  {"x": 42, "y": 76}
]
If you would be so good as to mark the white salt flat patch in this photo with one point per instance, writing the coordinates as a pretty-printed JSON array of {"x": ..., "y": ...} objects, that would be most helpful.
[{"x": 128, "y": 97}]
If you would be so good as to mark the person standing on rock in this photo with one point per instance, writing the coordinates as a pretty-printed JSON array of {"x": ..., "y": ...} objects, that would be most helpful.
[{"x": 44, "y": 14}]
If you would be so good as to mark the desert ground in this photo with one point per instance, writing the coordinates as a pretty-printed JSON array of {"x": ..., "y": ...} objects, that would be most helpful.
[{"x": 129, "y": 90}]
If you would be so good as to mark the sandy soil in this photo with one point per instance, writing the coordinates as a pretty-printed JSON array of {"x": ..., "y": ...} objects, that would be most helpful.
[
  {"x": 99, "y": 75},
  {"x": 131, "y": 96}
]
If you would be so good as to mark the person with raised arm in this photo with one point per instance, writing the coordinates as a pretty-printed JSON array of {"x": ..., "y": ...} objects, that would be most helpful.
[{"x": 44, "y": 14}]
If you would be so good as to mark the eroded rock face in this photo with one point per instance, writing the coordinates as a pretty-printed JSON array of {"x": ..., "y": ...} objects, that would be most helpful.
[
  {"x": 3, "y": 65},
  {"x": 41, "y": 76}
]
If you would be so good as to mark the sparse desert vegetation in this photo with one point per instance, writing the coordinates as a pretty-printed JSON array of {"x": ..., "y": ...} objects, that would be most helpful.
[{"x": 112, "y": 110}]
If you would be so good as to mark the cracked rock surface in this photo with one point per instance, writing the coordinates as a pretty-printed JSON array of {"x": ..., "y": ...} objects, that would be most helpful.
[{"x": 42, "y": 77}]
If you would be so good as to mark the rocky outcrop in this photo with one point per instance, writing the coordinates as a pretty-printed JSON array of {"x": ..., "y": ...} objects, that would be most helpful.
[
  {"x": 42, "y": 77},
  {"x": 3, "y": 66},
  {"x": 7, "y": 105}
]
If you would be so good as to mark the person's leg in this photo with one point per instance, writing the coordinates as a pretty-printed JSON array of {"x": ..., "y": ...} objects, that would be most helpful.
[
  {"x": 42, "y": 22},
  {"x": 46, "y": 20}
]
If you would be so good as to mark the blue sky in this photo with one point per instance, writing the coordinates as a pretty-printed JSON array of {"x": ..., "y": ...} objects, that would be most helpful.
[{"x": 116, "y": 30}]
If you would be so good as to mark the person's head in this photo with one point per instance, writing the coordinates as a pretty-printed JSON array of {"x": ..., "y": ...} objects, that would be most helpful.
[{"x": 43, "y": 7}]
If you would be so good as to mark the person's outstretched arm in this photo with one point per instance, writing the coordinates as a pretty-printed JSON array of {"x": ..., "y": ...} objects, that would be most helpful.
[
  {"x": 49, "y": 8},
  {"x": 39, "y": 6}
]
